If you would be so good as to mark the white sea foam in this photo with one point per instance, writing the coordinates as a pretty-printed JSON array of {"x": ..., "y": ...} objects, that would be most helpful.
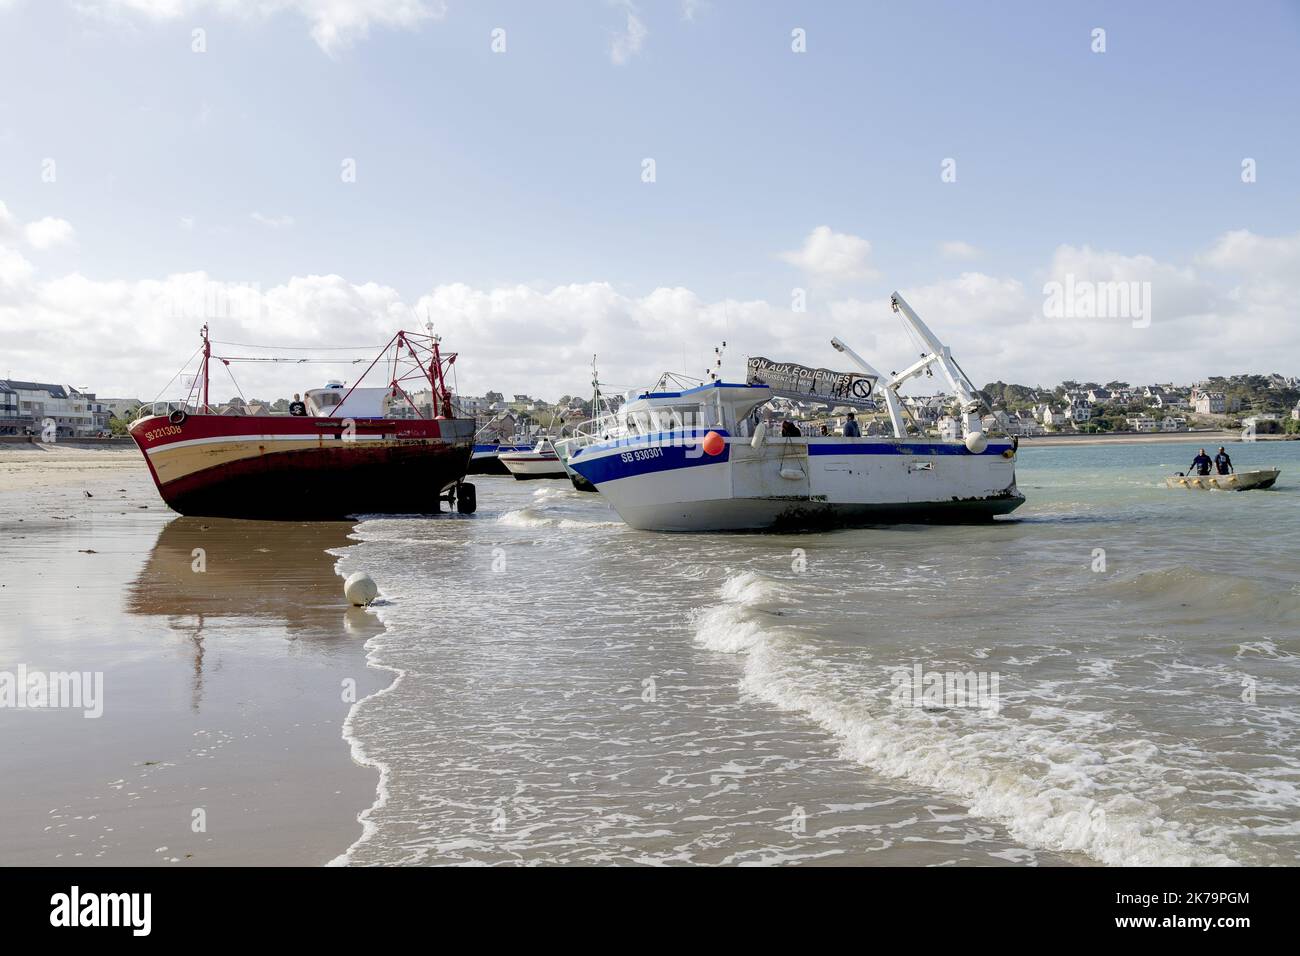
[
  {"x": 530, "y": 518},
  {"x": 1049, "y": 787},
  {"x": 355, "y": 746}
]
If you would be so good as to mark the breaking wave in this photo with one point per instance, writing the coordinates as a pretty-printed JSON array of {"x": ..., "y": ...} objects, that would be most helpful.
[{"x": 1045, "y": 779}]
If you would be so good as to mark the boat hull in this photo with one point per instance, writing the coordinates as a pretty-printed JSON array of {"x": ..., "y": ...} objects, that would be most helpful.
[
  {"x": 563, "y": 449},
  {"x": 529, "y": 466},
  {"x": 665, "y": 483},
  {"x": 486, "y": 459},
  {"x": 1256, "y": 480},
  {"x": 295, "y": 468},
  {"x": 486, "y": 464},
  {"x": 775, "y": 514}
]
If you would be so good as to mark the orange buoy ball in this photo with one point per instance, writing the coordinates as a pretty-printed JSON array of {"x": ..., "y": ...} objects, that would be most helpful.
[{"x": 713, "y": 444}]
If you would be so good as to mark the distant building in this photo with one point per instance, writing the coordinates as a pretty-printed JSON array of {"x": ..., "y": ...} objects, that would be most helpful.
[
  {"x": 25, "y": 407},
  {"x": 1171, "y": 423},
  {"x": 1142, "y": 423},
  {"x": 10, "y": 422},
  {"x": 1024, "y": 424},
  {"x": 471, "y": 406},
  {"x": 1210, "y": 403},
  {"x": 122, "y": 408}
]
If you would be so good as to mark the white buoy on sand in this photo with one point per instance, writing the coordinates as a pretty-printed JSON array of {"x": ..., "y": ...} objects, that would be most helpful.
[{"x": 360, "y": 589}]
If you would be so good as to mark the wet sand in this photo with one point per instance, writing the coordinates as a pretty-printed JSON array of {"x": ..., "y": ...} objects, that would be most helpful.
[{"x": 225, "y": 675}]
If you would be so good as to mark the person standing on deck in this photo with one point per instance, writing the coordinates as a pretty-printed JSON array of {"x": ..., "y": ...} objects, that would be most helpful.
[
  {"x": 851, "y": 429},
  {"x": 1222, "y": 462},
  {"x": 1201, "y": 463},
  {"x": 296, "y": 407}
]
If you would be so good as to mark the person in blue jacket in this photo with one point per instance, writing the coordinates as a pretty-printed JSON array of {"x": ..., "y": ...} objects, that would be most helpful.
[
  {"x": 1223, "y": 463},
  {"x": 1201, "y": 463}
]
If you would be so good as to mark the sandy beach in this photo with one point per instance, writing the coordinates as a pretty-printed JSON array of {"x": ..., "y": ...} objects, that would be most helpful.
[{"x": 229, "y": 662}]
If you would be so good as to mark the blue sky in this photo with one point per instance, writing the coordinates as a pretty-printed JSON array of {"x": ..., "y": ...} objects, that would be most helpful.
[{"x": 523, "y": 168}]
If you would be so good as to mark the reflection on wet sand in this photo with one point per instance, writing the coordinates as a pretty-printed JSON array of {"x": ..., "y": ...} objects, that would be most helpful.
[{"x": 204, "y": 570}]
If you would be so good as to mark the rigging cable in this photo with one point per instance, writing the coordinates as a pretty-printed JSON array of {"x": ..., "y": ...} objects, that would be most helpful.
[{"x": 178, "y": 374}]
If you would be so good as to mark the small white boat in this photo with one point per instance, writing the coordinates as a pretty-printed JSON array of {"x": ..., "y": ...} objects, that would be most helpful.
[
  {"x": 1237, "y": 481},
  {"x": 485, "y": 460},
  {"x": 541, "y": 462}
]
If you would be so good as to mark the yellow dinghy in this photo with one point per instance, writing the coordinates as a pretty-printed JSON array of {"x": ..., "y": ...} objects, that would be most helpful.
[{"x": 1238, "y": 481}]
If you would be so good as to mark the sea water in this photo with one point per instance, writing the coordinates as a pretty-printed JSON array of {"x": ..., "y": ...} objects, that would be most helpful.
[{"x": 1109, "y": 677}]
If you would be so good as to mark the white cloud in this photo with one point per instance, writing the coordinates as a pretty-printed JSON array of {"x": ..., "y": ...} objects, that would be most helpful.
[
  {"x": 1244, "y": 252},
  {"x": 272, "y": 222},
  {"x": 627, "y": 44},
  {"x": 335, "y": 24},
  {"x": 41, "y": 234},
  {"x": 8, "y": 224},
  {"x": 15, "y": 271},
  {"x": 133, "y": 333},
  {"x": 48, "y": 232},
  {"x": 1176, "y": 292},
  {"x": 832, "y": 256},
  {"x": 956, "y": 249}
]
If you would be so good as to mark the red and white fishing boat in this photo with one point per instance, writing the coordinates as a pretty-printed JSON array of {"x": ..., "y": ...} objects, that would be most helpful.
[{"x": 355, "y": 451}]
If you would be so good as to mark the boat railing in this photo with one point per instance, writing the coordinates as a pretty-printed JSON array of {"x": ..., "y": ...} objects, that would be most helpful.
[
  {"x": 149, "y": 409},
  {"x": 595, "y": 429}
]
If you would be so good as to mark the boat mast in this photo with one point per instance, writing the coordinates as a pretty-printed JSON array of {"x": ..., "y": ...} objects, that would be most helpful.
[{"x": 207, "y": 357}]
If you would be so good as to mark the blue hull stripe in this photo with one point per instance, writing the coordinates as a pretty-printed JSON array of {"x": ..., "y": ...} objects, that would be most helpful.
[
  {"x": 628, "y": 465},
  {"x": 682, "y": 449},
  {"x": 692, "y": 436}
]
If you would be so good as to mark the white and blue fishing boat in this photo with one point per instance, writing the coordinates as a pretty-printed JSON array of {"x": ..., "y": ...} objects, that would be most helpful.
[{"x": 701, "y": 459}]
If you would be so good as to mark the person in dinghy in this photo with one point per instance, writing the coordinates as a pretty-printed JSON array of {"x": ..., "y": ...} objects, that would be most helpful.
[{"x": 1223, "y": 463}]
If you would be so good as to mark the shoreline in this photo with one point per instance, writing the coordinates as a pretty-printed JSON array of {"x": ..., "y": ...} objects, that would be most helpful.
[
  {"x": 1137, "y": 438},
  {"x": 225, "y": 693}
]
